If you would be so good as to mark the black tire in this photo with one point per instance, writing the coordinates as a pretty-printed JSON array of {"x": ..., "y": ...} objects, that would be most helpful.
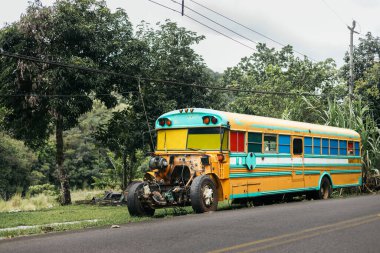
[
  {"x": 325, "y": 189},
  {"x": 203, "y": 194},
  {"x": 135, "y": 207}
]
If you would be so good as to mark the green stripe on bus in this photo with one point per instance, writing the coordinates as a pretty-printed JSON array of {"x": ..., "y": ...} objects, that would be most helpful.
[
  {"x": 274, "y": 165},
  {"x": 288, "y": 173},
  {"x": 346, "y": 185},
  {"x": 259, "y": 194},
  {"x": 332, "y": 156},
  {"x": 260, "y": 174},
  {"x": 305, "y": 156},
  {"x": 298, "y": 165},
  {"x": 345, "y": 171},
  {"x": 308, "y": 172}
]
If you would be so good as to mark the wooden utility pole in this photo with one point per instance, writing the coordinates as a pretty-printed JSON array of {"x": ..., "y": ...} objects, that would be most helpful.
[{"x": 351, "y": 84}]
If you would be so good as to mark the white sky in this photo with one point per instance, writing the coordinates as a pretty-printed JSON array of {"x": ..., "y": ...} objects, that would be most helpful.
[{"x": 308, "y": 25}]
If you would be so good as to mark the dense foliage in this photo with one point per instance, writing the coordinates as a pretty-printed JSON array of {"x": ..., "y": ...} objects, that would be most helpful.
[{"x": 79, "y": 141}]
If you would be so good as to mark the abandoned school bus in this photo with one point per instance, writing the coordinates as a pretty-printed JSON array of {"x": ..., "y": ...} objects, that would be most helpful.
[{"x": 204, "y": 156}]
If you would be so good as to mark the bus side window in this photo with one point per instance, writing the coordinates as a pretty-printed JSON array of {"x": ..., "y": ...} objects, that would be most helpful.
[
  {"x": 333, "y": 147},
  {"x": 325, "y": 146},
  {"x": 350, "y": 148},
  {"x": 308, "y": 145},
  {"x": 270, "y": 143},
  {"x": 297, "y": 146},
  {"x": 284, "y": 144},
  {"x": 237, "y": 141},
  {"x": 317, "y": 146},
  {"x": 255, "y": 141},
  {"x": 357, "y": 148},
  {"x": 342, "y": 147}
]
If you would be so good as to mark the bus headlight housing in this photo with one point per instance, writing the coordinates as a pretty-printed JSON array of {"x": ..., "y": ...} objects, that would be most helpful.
[{"x": 158, "y": 162}]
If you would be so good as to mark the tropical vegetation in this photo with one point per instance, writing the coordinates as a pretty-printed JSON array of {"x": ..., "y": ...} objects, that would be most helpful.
[{"x": 90, "y": 126}]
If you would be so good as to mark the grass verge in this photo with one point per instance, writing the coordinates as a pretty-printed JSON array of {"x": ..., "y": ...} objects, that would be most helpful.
[{"x": 105, "y": 215}]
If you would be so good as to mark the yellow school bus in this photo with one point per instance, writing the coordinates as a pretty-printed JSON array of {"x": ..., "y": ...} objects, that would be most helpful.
[{"x": 203, "y": 156}]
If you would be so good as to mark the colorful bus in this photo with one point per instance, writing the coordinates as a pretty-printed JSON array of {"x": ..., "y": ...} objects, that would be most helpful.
[{"x": 203, "y": 156}]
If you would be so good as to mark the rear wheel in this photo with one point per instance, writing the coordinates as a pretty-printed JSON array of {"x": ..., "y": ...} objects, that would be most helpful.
[
  {"x": 135, "y": 207},
  {"x": 325, "y": 189},
  {"x": 203, "y": 194}
]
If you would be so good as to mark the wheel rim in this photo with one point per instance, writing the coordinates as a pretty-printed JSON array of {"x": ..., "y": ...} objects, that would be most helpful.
[{"x": 207, "y": 195}]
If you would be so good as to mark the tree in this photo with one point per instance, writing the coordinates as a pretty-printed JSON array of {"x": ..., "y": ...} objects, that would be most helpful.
[
  {"x": 366, "y": 72},
  {"x": 83, "y": 32},
  {"x": 16, "y": 162},
  {"x": 363, "y": 57},
  {"x": 123, "y": 135},
  {"x": 368, "y": 87},
  {"x": 170, "y": 56},
  {"x": 279, "y": 71}
]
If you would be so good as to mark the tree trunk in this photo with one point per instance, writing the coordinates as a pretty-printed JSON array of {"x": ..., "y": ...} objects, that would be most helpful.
[
  {"x": 125, "y": 170},
  {"x": 132, "y": 171},
  {"x": 65, "y": 197}
]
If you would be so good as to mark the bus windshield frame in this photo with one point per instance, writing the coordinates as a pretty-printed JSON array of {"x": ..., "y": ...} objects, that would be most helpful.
[{"x": 192, "y": 139}]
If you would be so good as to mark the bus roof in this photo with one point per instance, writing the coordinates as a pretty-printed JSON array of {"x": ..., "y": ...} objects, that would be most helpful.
[{"x": 192, "y": 117}]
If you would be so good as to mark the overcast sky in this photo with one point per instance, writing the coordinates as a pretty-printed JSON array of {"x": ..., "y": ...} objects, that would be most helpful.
[{"x": 316, "y": 28}]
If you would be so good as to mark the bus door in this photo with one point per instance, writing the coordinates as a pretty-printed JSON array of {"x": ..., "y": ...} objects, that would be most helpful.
[{"x": 297, "y": 152}]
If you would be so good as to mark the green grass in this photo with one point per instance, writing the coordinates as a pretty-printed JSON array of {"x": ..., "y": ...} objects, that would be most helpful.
[
  {"x": 17, "y": 203},
  {"x": 106, "y": 215}
]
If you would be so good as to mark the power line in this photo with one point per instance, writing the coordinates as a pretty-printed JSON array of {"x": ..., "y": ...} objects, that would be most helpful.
[
  {"x": 203, "y": 24},
  {"x": 248, "y": 28},
  {"x": 335, "y": 13},
  {"x": 213, "y": 21},
  {"x": 168, "y": 82}
]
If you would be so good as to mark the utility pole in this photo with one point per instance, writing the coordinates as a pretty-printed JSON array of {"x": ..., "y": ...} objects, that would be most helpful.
[
  {"x": 183, "y": 7},
  {"x": 351, "y": 84}
]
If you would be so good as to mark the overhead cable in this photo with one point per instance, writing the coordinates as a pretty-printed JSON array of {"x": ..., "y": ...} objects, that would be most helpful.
[
  {"x": 209, "y": 19},
  {"x": 248, "y": 28},
  {"x": 168, "y": 82},
  {"x": 203, "y": 24}
]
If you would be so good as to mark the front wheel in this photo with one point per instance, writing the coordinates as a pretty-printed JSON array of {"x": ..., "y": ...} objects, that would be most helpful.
[
  {"x": 203, "y": 194},
  {"x": 135, "y": 207}
]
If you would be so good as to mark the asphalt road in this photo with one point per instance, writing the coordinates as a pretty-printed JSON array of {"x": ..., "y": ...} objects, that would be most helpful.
[{"x": 338, "y": 225}]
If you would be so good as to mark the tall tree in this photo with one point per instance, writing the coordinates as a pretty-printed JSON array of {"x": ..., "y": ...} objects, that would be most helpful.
[
  {"x": 16, "y": 162},
  {"x": 43, "y": 98},
  {"x": 368, "y": 87},
  {"x": 169, "y": 56},
  {"x": 366, "y": 72},
  {"x": 279, "y": 71},
  {"x": 123, "y": 135},
  {"x": 364, "y": 56}
]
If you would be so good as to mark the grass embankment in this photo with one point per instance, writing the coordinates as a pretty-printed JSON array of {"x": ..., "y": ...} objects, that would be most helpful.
[
  {"x": 104, "y": 215},
  {"x": 42, "y": 201}
]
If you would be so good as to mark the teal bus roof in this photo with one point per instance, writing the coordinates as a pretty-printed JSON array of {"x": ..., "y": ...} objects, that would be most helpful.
[{"x": 192, "y": 117}]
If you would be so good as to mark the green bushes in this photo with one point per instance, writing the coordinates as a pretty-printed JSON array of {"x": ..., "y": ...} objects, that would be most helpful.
[{"x": 46, "y": 189}]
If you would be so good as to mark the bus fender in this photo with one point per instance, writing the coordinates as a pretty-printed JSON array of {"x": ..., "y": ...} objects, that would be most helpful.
[
  {"x": 320, "y": 179},
  {"x": 218, "y": 184}
]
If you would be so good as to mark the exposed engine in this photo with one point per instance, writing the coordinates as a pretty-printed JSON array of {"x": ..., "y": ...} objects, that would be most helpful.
[{"x": 170, "y": 183}]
